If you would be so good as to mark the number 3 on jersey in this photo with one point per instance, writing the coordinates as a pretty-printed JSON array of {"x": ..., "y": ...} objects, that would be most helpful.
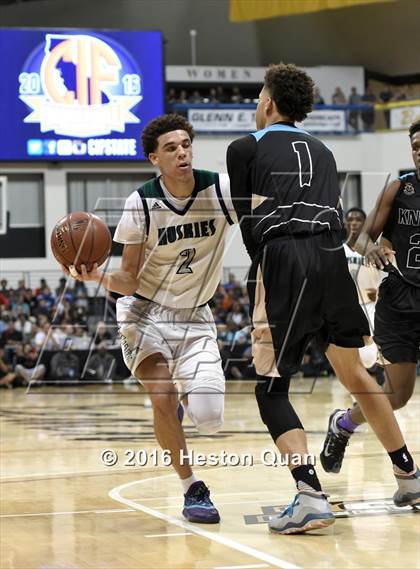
[
  {"x": 184, "y": 268},
  {"x": 305, "y": 162}
]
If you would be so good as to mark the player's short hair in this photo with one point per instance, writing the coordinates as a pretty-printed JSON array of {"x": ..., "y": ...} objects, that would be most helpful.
[
  {"x": 162, "y": 125},
  {"x": 291, "y": 89},
  {"x": 356, "y": 209},
  {"x": 414, "y": 127}
]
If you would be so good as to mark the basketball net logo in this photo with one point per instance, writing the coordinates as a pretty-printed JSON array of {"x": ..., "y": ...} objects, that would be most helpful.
[{"x": 78, "y": 90}]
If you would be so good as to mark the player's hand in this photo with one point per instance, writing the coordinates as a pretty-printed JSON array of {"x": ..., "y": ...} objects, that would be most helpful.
[
  {"x": 379, "y": 256},
  {"x": 371, "y": 294},
  {"x": 84, "y": 275}
]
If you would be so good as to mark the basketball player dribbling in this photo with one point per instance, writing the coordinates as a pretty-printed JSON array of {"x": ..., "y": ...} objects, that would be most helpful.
[
  {"x": 173, "y": 230},
  {"x": 397, "y": 318},
  {"x": 285, "y": 190}
]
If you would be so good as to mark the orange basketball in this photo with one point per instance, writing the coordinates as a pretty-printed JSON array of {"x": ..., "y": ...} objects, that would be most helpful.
[{"x": 81, "y": 238}]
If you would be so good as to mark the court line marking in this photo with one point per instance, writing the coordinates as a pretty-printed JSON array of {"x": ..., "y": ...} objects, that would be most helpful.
[
  {"x": 240, "y": 566},
  {"x": 168, "y": 534},
  {"x": 115, "y": 494},
  {"x": 108, "y": 511}
]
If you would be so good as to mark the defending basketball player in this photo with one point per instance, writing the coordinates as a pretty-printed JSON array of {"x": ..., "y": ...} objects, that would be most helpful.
[
  {"x": 366, "y": 278},
  {"x": 173, "y": 231},
  {"x": 397, "y": 318},
  {"x": 285, "y": 190}
]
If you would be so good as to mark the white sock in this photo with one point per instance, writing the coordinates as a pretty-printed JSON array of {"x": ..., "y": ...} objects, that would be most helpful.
[{"x": 186, "y": 482}]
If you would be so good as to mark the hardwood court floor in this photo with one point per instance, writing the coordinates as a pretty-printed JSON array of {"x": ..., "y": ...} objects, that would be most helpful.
[{"x": 63, "y": 509}]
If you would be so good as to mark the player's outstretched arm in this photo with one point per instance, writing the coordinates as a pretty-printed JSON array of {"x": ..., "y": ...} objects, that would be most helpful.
[
  {"x": 124, "y": 281},
  {"x": 378, "y": 255}
]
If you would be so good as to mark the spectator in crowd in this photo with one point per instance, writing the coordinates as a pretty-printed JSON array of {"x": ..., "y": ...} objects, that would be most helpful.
[
  {"x": 221, "y": 95},
  {"x": 64, "y": 365},
  {"x": 11, "y": 336},
  {"x": 171, "y": 96},
  {"x": 101, "y": 366},
  {"x": 26, "y": 367},
  {"x": 4, "y": 288},
  {"x": 338, "y": 97},
  {"x": 354, "y": 99},
  {"x": 195, "y": 98},
  {"x": 213, "y": 96},
  {"x": 42, "y": 285},
  {"x": 103, "y": 335},
  {"x": 24, "y": 325},
  {"x": 318, "y": 98},
  {"x": 183, "y": 98},
  {"x": 401, "y": 93},
  {"x": 45, "y": 338},
  {"x": 7, "y": 376},
  {"x": 236, "y": 96},
  {"x": 368, "y": 114},
  {"x": 386, "y": 96},
  {"x": 413, "y": 92}
]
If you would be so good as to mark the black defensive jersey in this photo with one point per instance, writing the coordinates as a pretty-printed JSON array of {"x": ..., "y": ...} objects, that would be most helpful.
[
  {"x": 283, "y": 182},
  {"x": 403, "y": 227}
]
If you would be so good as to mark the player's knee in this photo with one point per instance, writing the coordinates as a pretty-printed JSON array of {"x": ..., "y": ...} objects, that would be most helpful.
[
  {"x": 210, "y": 425},
  {"x": 276, "y": 411},
  {"x": 206, "y": 411},
  {"x": 400, "y": 399},
  {"x": 163, "y": 403}
]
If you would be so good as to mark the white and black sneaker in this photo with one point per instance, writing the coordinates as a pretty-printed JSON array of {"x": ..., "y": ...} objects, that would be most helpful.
[{"x": 335, "y": 444}]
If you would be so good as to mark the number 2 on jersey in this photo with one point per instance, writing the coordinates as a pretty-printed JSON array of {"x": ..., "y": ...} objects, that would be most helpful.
[
  {"x": 184, "y": 268},
  {"x": 413, "y": 256},
  {"x": 305, "y": 162}
]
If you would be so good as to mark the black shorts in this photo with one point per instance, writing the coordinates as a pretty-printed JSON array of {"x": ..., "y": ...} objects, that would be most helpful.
[
  {"x": 397, "y": 321},
  {"x": 300, "y": 287}
]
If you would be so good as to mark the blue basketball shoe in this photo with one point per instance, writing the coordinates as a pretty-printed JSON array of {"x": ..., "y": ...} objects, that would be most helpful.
[
  {"x": 307, "y": 512},
  {"x": 408, "y": 493},
  {"x": 198, "y": 507}
]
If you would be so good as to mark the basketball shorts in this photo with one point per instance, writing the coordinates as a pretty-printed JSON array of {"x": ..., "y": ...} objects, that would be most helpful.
[
  {"x": 299, "y": 288},
  {"x": 397, "y": 321},
  {"x": 186, "y": 338}
]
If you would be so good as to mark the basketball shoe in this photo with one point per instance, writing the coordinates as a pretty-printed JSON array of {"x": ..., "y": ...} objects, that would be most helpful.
[
  {"x": 335, "y": 444},
  {"x": 408, "y": 493},
  {"x": 307, "y": 512},
  {"x": 198, "y": 507}
]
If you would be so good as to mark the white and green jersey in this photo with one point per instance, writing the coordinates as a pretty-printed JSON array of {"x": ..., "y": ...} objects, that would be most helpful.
[{"x": 184, "y": 238}]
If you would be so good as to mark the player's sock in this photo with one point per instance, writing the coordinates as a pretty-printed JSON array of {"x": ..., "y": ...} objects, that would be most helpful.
[
  {"x": 345, "y": 422},
  {"x": 306, "y": 478},
  {"x": 186, "y": 482},
  {"x": 402, "y": 459}
]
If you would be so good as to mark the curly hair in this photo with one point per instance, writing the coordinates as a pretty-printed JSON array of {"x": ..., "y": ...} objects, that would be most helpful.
[
  {"x": 162, "y": 125},
  {"x": 414, "y": 127},
  {"x": 291, "y": 89}
]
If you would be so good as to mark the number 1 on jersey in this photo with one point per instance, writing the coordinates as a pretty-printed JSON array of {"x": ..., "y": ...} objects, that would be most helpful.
[
  {"x": 184, "y": 268},
  {"x": 305, "y": 162}
]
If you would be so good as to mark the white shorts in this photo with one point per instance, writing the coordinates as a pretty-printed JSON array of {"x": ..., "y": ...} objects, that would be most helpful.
[
  {"x": 369, "y": 353},
  {"x": 187, "y": 339}
]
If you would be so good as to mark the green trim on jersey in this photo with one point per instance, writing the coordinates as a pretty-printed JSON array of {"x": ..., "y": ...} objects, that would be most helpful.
[
  {"x": 149, "y": 189},
  {"x": 204, "y": 179}
]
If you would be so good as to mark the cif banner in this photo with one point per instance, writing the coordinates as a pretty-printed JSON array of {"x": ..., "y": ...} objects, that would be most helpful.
[
  {"x": 402, "y": 117},
  {"x": 78, "y": 94},
  {"x": 243, "y": 120}
]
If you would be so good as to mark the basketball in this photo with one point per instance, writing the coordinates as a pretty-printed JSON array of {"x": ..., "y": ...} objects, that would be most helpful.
[{"x": 81, "y": 238}]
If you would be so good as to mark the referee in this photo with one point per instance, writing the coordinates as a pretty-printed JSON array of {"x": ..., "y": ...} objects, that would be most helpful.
[{"x": 285, "y": 191}]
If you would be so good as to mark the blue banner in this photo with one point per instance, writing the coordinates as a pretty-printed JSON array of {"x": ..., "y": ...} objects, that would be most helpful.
[{"x": 78, "y": 94}]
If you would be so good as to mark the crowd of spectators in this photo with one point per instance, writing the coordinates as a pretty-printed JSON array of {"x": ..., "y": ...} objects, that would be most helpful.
[
  {"x": 359, "y": 119},
  {"x": 37, "y": 322},
  {"x": 33, "y": 322}
]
